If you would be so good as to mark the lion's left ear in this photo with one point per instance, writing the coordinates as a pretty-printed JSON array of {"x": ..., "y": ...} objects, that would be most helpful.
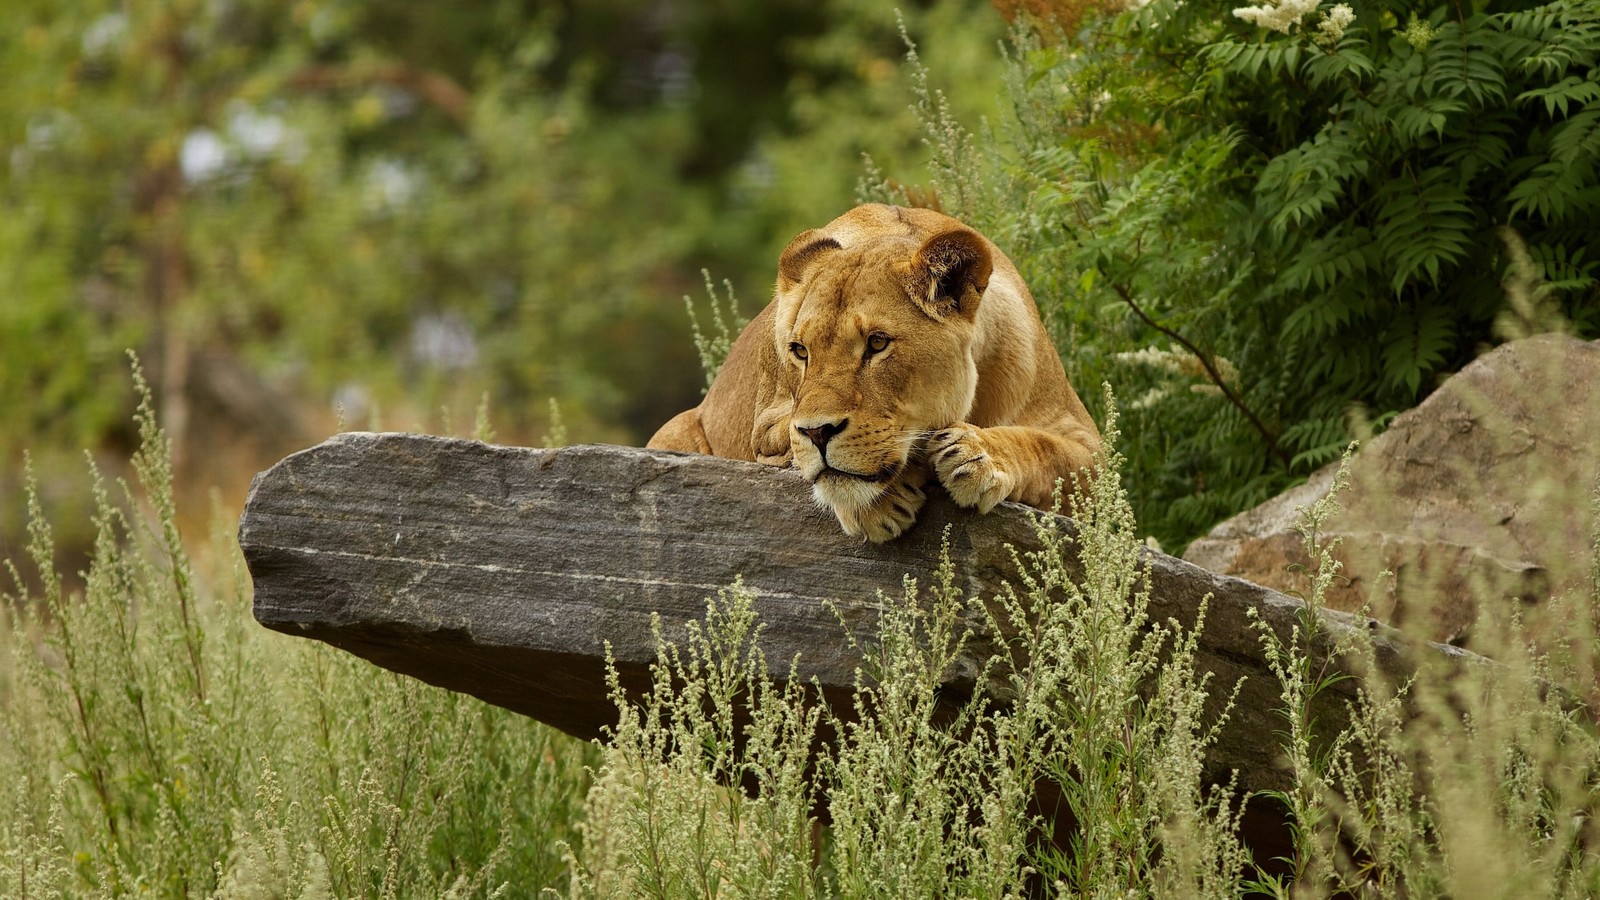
[
  {"x": 801, "y": 252},
  {"x": 950, "y": 272}
]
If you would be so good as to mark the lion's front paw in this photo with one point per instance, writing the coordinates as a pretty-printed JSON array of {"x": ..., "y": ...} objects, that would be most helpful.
[
  {"x": 967, "y": 468},
  {"x": 887, "y": 517}
]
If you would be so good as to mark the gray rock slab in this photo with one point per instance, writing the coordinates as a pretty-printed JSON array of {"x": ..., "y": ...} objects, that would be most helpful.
[{"x": 505, "y": 572}]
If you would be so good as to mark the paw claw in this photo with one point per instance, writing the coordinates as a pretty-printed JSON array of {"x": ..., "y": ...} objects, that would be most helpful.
[{"x": 969, "y": 473}]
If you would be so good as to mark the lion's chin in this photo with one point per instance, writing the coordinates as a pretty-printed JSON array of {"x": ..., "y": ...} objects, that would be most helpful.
[{"x": 835, "y": 491}]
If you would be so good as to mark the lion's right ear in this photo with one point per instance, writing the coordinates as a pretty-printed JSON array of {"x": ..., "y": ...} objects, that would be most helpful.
[
  {"x": 800, "y": 253},
  {"x": 951, "y": 272}
]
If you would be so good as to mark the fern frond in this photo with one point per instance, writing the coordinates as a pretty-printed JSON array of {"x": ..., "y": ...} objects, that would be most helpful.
[
  {"x": 1350, "y": 60},
  {"x": 1558, "y": 98},
  {"x": 1317, "y": 439},
  {"x": 1552, "y": 192},
  {"x": 1576, "y": 142},
  {"x": 1276, "y": 59},
  {"x": 1556, "y": 37},
  {"x": 1424, "y": 225},
  {"x": 1428, "y": 115},
  {"x": 1462, "y": 63},
  {"x": 1416, "y": 345},
  {"x": 1299, "y": 186},
  {"x": 1483, "y": 144},
  {"x": 1345, "y": 255},
  {"x": 1564, "y": 270}
]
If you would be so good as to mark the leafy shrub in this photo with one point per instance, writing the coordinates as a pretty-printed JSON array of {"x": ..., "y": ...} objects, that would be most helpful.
[
  {"x": 155, "y": 740},
  {"x": 1445, "y": 778},
  {"x": 1274, "y": 239},
  {"x": 1451, "y": 777}
]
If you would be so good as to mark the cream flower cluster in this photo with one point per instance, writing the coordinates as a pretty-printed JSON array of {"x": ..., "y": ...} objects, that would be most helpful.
[
  {"x": 1333, "y": 24},
  {"x": 1279, "y": 15},
  {"x": 1177, "y": 362}
]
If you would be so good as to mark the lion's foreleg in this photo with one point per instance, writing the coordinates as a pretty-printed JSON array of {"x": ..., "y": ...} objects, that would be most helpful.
[
  {"x": 682, "y": 432},
  {"x": 982, "y": 466}
]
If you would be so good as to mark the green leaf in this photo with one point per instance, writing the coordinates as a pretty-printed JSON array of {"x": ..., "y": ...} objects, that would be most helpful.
[
  {"x": 1582, "y": 91},
  {"x": 1415, "y": 346},
  {"x": 1577, "y": 140},
  {"x": 1424, "y": 226},
  {"x": 1548, "y": 192}
]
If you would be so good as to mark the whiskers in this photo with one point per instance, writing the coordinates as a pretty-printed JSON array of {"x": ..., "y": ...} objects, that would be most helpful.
[
  {"x": 915, "y": 443},
  {"x": 860, "y": 467}
]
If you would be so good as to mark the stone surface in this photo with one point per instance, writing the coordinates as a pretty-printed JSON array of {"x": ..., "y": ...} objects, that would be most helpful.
[
  {"x": 504, "y": 572},
  {"x": 1484, "y": 490}
]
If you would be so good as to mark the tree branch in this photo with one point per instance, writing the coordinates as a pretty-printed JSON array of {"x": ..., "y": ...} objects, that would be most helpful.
[{"x": 1210, "y": 366}]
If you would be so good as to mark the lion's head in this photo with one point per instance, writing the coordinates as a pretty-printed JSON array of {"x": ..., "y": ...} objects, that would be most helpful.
[{"x": 875, "y": 346}]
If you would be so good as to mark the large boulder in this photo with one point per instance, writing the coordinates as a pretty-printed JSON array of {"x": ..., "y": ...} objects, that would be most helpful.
[
  {"x": 507, "y": 573},
  {"x": 1482, "y": 491}
]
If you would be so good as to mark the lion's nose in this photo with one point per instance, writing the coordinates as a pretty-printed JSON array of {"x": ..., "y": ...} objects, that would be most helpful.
[{"x": 821, "y": 434}]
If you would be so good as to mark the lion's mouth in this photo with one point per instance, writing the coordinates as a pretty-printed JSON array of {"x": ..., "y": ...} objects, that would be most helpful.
[{"x": 882, "y": 475}]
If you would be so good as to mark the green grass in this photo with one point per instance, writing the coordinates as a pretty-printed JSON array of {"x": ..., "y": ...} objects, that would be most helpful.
[{"x": 155, "y": 741}]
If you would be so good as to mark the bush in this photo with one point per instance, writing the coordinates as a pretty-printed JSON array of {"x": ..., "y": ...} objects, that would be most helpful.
[
  {"x": 1275, "y": 240},
  {"x": 1090, "y": 695},
  {"x": 1442, "y": 781}
]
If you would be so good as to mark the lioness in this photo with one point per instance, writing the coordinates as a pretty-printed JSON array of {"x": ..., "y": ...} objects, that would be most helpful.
[{"x": 898, "y": 341}]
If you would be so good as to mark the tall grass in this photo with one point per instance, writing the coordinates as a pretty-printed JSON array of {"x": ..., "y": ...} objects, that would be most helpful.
[
  {"x": 155, "y": 741},
  {"x": 1463, "y": 780},
  {"x": 1090, "y": 696}
]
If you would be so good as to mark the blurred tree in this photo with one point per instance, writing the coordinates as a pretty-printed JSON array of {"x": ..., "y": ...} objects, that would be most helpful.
[{"x": 386, "y": 207}]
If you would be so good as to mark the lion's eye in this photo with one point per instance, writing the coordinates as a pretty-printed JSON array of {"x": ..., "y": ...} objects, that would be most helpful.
[
  {"x": 877, "y": 342},
  {"x": 798, "y": 349}
]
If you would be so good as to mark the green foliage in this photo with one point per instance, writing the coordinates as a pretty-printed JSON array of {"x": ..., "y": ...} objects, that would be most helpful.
[
  {"x": 381, "y": 200},
  {"x": 1389, "y": 793},
  {"x": 1424, "y": 781},
  {"x": 282, "y": 185},
  {"x": 155, "y": 740},
  {"x": 661, "y": 820},
  {"x": 714, "y": 344},
  {"x": 1270, "y": 240},
  {"x": 313, "y": 213},
  {"x": 1321, "y": 206},
  {"x": 1111, "y": 709}
]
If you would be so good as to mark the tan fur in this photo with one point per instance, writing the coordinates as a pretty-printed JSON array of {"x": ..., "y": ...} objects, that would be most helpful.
[{"x": 900, "y": 346}]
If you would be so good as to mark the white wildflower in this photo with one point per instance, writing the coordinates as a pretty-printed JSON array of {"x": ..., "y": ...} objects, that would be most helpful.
[
  {"x": 1180, "y": 362},
  {"x": 1333, "y": 24},
  {"x": 1154, "y": 357},
  {"x": 1150, "y": 398},
  {"x": 1418, "y": 33},
  {"x": 1279, "y": 15}
]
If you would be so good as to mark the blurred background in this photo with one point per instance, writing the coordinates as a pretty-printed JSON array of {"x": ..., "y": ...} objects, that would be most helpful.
[
  {"x": 303, "y": 215},
  {"x": 313, "y": 215}
]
